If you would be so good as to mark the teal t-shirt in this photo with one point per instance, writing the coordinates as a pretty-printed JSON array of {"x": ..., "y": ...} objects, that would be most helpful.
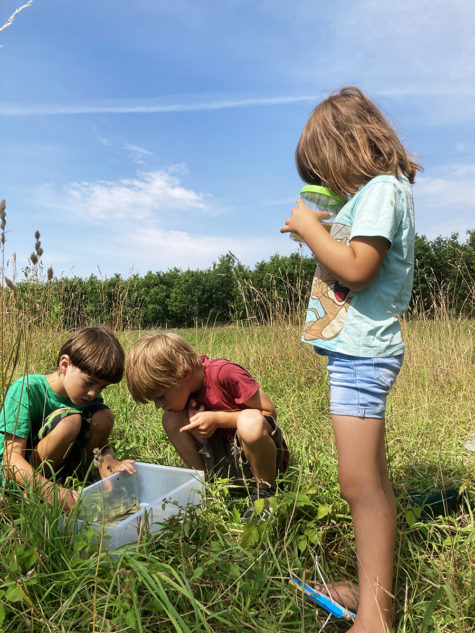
[
  {"x": 28, "y": 402},
  {"x": 365, "y": 322}
]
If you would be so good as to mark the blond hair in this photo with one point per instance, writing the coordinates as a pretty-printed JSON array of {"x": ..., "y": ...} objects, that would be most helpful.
[
  {"x": 96, "y": 352},
  {"x": 157, "y": 363},
  {"x": 347, "y": 141}
]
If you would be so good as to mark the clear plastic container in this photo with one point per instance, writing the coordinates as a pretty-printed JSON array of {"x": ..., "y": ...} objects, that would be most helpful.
[
  {"x": 122, "y": 506},
  {"x": 320, "y": 198}
]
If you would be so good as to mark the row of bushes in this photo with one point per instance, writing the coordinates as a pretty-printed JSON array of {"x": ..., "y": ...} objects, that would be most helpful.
[{"x": 229, "y": 291}]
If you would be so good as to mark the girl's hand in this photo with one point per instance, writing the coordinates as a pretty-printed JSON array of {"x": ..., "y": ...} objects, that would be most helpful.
[
  {"x": 204, "y": 423},
  {"x": 303, "y": 219}
]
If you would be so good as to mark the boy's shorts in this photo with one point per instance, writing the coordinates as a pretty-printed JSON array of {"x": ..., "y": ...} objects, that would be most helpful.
[
  {"x": 359, "y": 386},
  {"x": 224, "y": 457},
  {"x": 74, "y": 455}
]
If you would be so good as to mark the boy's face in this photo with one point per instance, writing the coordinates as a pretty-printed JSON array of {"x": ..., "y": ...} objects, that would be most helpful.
[
  {"x": 176, "y": 398},
  {"x": 80, "y": 388}
]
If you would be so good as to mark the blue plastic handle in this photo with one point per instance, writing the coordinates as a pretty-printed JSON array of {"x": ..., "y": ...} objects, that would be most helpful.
[{"x": 323, "y": 601}]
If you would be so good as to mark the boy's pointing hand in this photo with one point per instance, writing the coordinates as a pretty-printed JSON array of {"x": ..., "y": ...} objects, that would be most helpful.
[{"x": 203, "y": 422}]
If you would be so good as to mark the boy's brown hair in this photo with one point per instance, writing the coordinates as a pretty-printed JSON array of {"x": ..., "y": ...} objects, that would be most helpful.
[
  {"x": 157, "y": 363},
  {"x": 346, "y": 142},
  {"x": 96, "y": 352}
]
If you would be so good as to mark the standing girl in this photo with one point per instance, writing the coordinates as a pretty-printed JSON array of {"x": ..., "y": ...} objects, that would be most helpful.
[{"x": 362, "y": 284}]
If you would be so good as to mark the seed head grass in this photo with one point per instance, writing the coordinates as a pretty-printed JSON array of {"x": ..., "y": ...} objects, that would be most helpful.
[{"x": 205, "y": 571}]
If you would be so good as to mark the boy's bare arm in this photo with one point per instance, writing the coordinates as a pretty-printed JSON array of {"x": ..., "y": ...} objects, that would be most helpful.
[
  {"x": 21, "y": 471},
  {"x": 109, "y": 464},
  {"x": 261, "y": 401},
  {"x": 206, "y": 422}
]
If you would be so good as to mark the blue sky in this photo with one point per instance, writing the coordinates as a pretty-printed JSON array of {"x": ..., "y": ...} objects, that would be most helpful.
[{"x": 151, "y": 134}]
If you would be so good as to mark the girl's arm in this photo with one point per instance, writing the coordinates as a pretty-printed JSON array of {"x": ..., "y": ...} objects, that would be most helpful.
[
  {"x": 208, "y": 421},
  {"x": 355, "y": 265}
]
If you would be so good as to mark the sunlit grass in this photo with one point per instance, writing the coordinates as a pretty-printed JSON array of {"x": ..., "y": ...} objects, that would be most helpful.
[{"x": 206, "y": 572}]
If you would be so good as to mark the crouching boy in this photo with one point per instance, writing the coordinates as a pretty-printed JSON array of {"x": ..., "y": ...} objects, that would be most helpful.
[
  {"x": 55, "y": 423},
  {"x": 214, "y": 412}
]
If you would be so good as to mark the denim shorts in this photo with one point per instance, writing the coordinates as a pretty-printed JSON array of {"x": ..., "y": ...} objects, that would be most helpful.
[{"x": 359, "y": 386}]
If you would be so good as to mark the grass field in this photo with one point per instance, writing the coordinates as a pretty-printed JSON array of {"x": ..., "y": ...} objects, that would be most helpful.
[{"x": 208, "y": 573}]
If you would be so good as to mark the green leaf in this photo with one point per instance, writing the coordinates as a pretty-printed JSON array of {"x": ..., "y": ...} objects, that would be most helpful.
[
  {"x": 323, "y": 511},
  {"x": 250, "y": 535},
  {"x": 14, "y": 594},
  {"x": 427, "y": 621},
  {"x": 259, "y": 505},
  {"x": 2, "y": 613},
  {"x": 302, "y": 543},
  {"x": 129, "y": 618},
  {"x": 410, "y": 518}
]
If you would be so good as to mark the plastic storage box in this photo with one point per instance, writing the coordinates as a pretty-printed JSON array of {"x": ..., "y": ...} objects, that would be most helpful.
[{"x": 123, "y": 506}]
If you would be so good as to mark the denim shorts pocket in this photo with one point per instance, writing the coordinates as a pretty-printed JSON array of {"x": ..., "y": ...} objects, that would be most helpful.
[{"x": 386, "y": 370}]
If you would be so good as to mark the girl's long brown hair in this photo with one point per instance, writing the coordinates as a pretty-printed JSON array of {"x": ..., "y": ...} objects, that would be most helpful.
[{"x": 347, "y": 141}]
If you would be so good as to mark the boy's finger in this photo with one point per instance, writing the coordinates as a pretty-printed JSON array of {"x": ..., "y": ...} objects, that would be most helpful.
[{"x": 192, "y": 425}]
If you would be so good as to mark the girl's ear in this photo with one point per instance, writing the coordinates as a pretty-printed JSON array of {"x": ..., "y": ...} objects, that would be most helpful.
[{"x": 64, "y": 363}]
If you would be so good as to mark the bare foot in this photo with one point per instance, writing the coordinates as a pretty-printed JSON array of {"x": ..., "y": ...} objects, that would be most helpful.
[{"x": 342, "y": 592}]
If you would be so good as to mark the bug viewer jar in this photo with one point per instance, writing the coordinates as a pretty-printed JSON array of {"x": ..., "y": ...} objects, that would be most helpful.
[{"x": 320, "y": 198}]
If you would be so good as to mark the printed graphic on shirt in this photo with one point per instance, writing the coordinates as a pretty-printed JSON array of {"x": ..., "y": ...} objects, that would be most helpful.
[{"x": 329, "y": 300}]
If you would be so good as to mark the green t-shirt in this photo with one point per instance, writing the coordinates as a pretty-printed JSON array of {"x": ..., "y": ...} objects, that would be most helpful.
[{"x": 28, "y": 402}]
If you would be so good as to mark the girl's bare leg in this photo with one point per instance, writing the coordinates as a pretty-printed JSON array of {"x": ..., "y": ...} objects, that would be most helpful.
[{"x": 365, "y": 485}]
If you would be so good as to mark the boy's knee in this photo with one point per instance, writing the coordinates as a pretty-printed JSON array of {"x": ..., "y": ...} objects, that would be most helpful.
[
  {"x": 172, "y": 421},
  {"x": 102, "y": 420},
  {"x": 69, "y": 425},
  {"x": 251, "y": 425}
]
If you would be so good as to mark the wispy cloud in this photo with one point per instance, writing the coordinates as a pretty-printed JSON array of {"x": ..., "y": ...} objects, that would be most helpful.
[
  {"x": 141, "y": 217},
  {"x": 443, "y": 202},
  {"x": 148, "y": 108},
  {"x": 159, "y": 249},
  {"x": 138, "y": 155},
  {"x": 138, "y": 150},
  {"x": 149, "y": 195}
]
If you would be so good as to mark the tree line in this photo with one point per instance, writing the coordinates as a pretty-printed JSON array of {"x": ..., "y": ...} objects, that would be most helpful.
[{"x": 229, "y": 291}]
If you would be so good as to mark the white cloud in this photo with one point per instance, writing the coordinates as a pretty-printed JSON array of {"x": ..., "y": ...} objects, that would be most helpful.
[
  {"x": 153, "y": 249},
  {"x": 454, "y": 191},
  {"x": 150, "y": 195},
  {"x": 444, "y": 204}
]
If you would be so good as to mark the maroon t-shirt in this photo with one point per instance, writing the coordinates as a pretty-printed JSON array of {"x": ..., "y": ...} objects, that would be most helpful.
[{"x": 226, "y": 386}]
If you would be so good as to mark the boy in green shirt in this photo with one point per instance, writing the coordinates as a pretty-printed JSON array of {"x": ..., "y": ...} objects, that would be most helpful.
[{"x": 50, "y": 422}]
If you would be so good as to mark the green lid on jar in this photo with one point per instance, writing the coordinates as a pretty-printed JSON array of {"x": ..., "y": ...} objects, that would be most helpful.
[{"x": 323, "y": 191}]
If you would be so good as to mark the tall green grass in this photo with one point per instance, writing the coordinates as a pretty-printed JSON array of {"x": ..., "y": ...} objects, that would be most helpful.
[{"x": 208, "y": 572}]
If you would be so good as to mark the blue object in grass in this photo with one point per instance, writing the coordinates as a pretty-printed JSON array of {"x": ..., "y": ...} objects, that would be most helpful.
[{"x": 324, "y": 601}]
